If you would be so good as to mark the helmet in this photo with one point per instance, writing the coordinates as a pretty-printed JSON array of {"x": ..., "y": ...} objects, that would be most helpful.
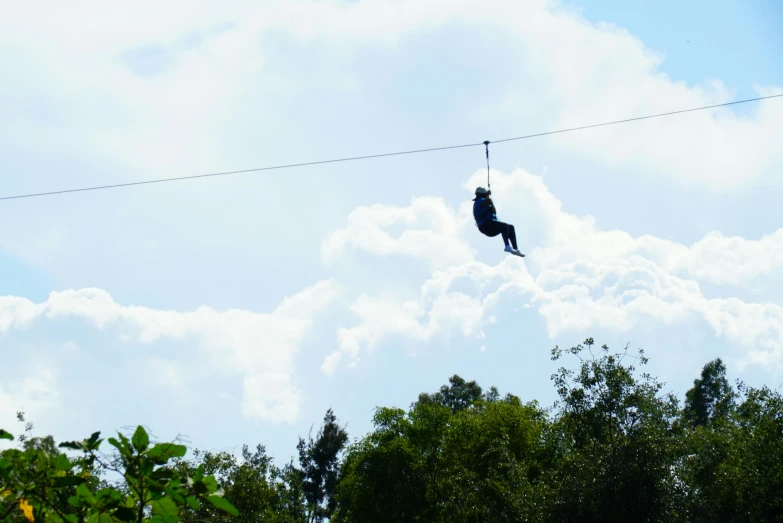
[{"x": 480, "y": 191}]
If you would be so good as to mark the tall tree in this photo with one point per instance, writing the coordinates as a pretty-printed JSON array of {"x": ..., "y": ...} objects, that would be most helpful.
[
  {"x": 734, "y": 466},
  {"x": 458, "y": 395},
  {"x": 456, "y": 456},
  {"x": 612, "y": 441},
  {"x": 319, "y": 460},
  {"x": 711, "y": 396}
]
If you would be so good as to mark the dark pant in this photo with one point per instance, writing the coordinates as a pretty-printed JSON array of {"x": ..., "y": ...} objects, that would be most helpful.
[{"x": 493, "y": 227}]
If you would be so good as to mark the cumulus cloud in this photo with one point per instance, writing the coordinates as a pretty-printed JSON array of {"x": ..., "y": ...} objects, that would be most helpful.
[
  {"x": 260, "y": 347},
  {"x": 577, "y": 71},
  {"x": 430, "y": 228},
  {"x": 578, "y": 276},
  {"x": 84, "y": 88}
]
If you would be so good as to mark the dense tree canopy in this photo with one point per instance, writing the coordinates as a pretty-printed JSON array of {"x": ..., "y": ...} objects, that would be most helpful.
[{"x": 614, "y": 447}]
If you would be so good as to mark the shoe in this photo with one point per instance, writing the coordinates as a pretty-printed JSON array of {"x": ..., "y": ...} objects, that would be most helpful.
[
  {"x": 517, "y": 253},
  {"x": 509, "y": 249}
]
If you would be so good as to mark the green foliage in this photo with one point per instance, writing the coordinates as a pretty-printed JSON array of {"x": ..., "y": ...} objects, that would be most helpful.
[
  {"x": 711, "y": 397},
  {"x": 611, "y": 441},
  {"x": 42, "y": 484},
  {"x": 319, "y": 460},
  {"x": 458, "y": 395},
  {"x": 734, "y": 469},
  {"x": 259, "y": 490},
  {"x": 614, "y": 447},
  {"x": 457, "y": 455}
]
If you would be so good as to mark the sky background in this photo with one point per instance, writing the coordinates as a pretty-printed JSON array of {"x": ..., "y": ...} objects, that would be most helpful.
[{"x": 237, "y": 309}]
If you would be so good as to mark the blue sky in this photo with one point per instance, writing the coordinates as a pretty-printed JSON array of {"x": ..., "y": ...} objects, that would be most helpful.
[{"x": 238, "y": 309}]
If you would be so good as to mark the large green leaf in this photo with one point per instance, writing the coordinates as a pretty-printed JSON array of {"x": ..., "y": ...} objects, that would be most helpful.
[
  {"x": 211, "y": 483},
  {"x": 62, "y": 462},
  {"x": 223, "y": 504},
  {"x": 163, "y": 518},
  {"x": 141, "y": 439},
  {"x": 162, "y": 452},
  {"x": 193, "y": 502},
  {"x": 164, "y": 506},
  {"x": 6, "y": 435},
  {"x": 199, "y": 473},
  {"x": 113, "y": 442}
]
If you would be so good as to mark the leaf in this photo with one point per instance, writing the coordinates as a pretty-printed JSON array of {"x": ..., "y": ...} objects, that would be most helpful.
[
  {"x": 125, "y": 441},
  {"x": 62, "y": 462},
  {"x": 162, "y": 452},
  {"x": 75, "y": 445},
  {"x": 99, "y": 518},
  {"x": 164, "y": 506},
  {"x": 141, "y": 439},
  {"x": 162, "y": 473},
  {"x": 211, "y": 483},
  {"x": 84, "y": 493},
  {"x": 199, "y": 473},
  {"x": 6, "y": 435},
  {"x": 223, "y": 504},
  {"x": 175, "y": 496},
  {"x": 163, "y": 518},
  {"x": 109, "y": 495},
  {"x": 193, "y": 502},
  {"x": 94, "y": 442}
]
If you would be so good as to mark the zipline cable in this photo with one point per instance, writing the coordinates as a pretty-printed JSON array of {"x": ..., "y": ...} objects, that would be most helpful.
[
  {"x": 320, "y": 162},
  {"x": 486, "y": 145}
]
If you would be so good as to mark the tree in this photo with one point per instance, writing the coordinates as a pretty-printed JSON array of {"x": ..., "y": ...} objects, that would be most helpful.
[
  {"x": 456, "y": 456},
  {"x": 711, "y": 396},
  {"x": 734, "y": 468},
  {"x": 384, "y": 477},
  {"x": 612, "y": 441},
  {"x": 259, "y": 490},
  {"x": 458, "y": 395},
  {"x": 320, "y": 461}
]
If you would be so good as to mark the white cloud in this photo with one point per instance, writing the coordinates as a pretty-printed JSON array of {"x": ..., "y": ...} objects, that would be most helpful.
[
  {"x": 715, "y": 258},
  {"x": 75, "y": 91},
  {"x": 429, "y": 234},
  {"x": 578, "y": 72},
  {"x": 260, "y": 347},
  {"x": 579, "y": 277}
]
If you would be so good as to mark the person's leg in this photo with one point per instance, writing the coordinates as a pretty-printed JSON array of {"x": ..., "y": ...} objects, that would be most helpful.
[
  {"x": 493, "y": 228},
  {"x": 512, "y": 234}
]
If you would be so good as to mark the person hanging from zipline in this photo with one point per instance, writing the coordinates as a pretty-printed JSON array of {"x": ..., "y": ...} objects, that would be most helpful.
[{"x": 485, "y": 214}]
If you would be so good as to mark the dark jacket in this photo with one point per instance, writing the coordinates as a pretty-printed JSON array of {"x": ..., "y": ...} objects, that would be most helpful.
[{"x": 484, "y": 210}]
